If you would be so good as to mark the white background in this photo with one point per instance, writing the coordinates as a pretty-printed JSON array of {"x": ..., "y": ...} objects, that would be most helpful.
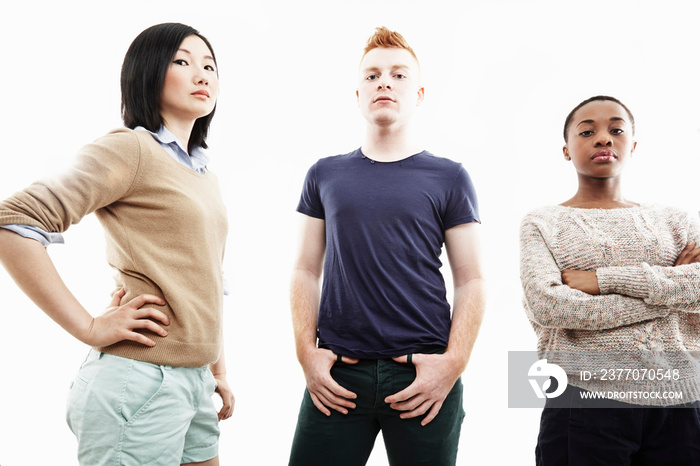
[{"x": 500, "y": 76}]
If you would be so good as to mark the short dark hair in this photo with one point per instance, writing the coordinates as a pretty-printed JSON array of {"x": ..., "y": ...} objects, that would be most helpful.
[
  {"x": 570, "y": 116},
  {"x": 143, "y": 73}
]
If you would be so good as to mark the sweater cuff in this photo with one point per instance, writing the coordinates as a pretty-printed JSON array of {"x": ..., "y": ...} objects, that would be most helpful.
[{"x": 628, "y": 281}]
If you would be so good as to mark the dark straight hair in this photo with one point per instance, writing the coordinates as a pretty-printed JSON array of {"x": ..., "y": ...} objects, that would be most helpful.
[
  {"x": 143, "y": 74},
  {"x": 570, "y": 116}
]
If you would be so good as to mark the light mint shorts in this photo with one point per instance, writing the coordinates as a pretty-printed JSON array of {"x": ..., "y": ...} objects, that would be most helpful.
[{"x": 128, "y": 412}]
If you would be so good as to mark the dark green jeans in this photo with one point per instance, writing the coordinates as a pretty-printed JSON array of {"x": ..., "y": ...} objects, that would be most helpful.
[{"x": 347, "y": 440}]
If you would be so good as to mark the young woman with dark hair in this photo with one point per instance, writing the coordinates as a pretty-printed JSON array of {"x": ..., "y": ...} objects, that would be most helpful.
[
  {"x": 612, "y": 287},
  {"x": 142, "y": 80},
  {"x": 143, "y": 394}
]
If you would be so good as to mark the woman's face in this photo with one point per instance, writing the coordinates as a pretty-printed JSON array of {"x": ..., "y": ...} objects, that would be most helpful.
[
  {"x": 191, "y": 83},
  {"x": 600, "y": 139}
]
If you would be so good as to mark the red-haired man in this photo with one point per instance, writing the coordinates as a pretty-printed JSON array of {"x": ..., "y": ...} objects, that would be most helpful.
[{"x": 377, "y": 344}]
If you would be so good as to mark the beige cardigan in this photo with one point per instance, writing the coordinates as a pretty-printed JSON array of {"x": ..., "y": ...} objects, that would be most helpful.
[{"x": 165, "y": 228}]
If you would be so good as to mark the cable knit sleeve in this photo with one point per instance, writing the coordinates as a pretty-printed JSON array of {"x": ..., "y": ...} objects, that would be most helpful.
[
  {"x": 550, "y": 303},
  {"x": 656, "y": 284},
  {"x": 103, "y": 172}
]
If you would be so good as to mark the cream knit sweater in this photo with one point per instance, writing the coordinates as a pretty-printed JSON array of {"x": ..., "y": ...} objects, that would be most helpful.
[
  {"x": 648, "y": 313},
  {"x": 165, "y": 228}
]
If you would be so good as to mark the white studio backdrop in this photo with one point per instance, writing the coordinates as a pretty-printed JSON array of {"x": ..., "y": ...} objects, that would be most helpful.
[{"x": 500, "y": 77}]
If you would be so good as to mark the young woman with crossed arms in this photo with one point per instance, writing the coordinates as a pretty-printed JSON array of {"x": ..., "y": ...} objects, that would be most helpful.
[{"x": 613, "y": 284}]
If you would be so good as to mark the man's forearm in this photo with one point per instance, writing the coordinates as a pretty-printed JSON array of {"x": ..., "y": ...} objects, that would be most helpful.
[
  {"x": 304, "y": 300},
  {"x": 467, "y": 315}
]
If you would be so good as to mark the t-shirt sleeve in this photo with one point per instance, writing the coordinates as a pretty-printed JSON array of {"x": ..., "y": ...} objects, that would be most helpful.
[
  {"x": 102, "y": 173},
  {"x": 462, "y": 205},
  {"x": 310, "y": 201}
]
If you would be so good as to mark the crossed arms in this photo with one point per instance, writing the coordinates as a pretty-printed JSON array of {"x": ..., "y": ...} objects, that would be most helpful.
[{"x": 608, "y": 297}]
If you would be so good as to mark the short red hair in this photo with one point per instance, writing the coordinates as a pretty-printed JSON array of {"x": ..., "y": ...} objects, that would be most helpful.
[{"x": 387, "y": 39}]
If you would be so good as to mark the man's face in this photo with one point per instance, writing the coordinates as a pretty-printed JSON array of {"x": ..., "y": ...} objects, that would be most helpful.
[{"x": 389, "y": 86}]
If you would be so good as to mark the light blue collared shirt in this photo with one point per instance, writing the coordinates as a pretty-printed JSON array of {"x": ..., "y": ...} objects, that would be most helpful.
[{"x": 197, "y": 160}]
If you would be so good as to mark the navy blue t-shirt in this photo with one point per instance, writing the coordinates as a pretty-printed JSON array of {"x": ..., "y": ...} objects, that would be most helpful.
[{"x": 383, "y": 294}]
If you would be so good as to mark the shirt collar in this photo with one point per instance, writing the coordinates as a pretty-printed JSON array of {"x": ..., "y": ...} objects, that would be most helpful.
[{"x": 164, "y": 136}]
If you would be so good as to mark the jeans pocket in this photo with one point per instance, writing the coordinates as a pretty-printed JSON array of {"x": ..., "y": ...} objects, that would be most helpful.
[
  {"x": 77, "y": 398},
  {"x": 212, "y": 386},
  {"x": 87, "y": 371},
  {"x": 145, "y": 385}
]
